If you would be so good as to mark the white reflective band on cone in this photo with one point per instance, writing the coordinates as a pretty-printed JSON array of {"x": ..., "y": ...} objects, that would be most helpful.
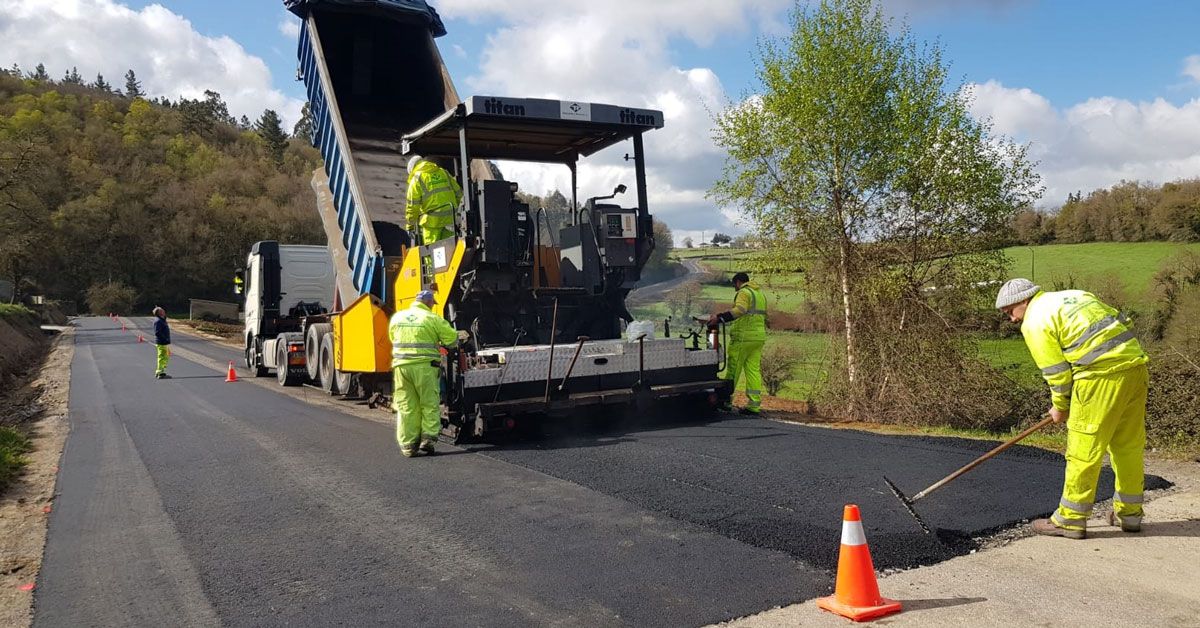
[{"x": 852, "y": 533}]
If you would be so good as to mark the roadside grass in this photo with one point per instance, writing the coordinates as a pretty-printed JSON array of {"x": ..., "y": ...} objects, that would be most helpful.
[
  {"x": 13, "y": 447},
  {"x": 9, "y": 311}
]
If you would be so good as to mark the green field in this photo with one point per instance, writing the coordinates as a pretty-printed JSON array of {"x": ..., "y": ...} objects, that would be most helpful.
[{"x": 1093, "y": 264}]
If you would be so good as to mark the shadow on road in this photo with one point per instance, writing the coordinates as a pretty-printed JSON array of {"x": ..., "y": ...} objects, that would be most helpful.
[
  {"x": 929, "y": 604},
  {"x": 1185, "y": 528}
]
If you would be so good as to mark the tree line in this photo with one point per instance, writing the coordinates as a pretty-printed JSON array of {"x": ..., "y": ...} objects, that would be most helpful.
[
  {"x": 103, "y": 188},
  {"x": 1130, "y": 211}
]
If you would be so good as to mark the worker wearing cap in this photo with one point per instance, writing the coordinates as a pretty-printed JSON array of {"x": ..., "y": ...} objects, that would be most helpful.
[
  {"x": 1098, "y": 381},
  {"x": 162, "y": 343},
  {"x": 747, "y": 332},
  {"x": 433, "y": 197},
  {"x": 417, "y": 334}
]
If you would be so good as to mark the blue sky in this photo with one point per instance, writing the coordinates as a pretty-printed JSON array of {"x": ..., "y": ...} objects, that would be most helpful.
[{"x": 1098, "y": 89}]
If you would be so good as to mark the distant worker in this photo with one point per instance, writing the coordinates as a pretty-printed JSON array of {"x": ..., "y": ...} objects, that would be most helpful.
[
  {"x": 747, "y": 333},
  {"x": 417, "y": 333},
  {"x": 1098, "y": 380},
  {"x": 433, "y": 197},
  {"x": 162, "y": 343}
]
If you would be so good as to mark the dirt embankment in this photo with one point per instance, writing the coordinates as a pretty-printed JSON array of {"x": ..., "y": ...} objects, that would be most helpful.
[{"x": 21, "y": 343}]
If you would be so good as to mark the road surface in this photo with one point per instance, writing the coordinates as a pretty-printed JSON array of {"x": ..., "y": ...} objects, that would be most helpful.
[
  {"x": 658, "y": 291},
  {"x": 196, "y": 502}
]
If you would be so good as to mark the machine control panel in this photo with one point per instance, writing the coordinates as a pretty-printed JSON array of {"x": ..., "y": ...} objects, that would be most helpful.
[{"x": 621, "y": 225}]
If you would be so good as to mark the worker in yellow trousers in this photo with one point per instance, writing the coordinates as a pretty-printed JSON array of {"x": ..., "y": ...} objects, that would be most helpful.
[
  {"x": 433, "y": 197},
  {"x": 747, "y": 321},
  {"x": 1098, "y": 381},
  {"x": 417, "y": 334}
]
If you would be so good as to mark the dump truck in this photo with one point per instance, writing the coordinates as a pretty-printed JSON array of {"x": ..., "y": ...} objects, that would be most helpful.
[{"x": 543, "y": 302}]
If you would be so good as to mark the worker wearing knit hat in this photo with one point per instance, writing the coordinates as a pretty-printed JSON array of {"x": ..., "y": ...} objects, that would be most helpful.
[{"x": 1098, "y": 383}]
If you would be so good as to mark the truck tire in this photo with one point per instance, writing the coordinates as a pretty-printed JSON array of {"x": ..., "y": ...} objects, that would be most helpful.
[
  {"x": 253, "y": 361},
  {"x": 343, "y": 381},
  {"x": 312, "y": 349},
  {"x": 283, "y": 374},
  {"x": 328, "y": 375}
]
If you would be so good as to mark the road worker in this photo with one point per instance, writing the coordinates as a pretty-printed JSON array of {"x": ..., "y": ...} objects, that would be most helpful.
[
  {"x": 433, "y": 197},
  {"x": 417, "y": 334},
  {"x": 747, "y": 332},
  {"x": 1097, "y": 374},
  {"x": 162, "y": 343}
]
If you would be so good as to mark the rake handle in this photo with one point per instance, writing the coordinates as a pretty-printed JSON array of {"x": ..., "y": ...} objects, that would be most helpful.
[{"x": 984, "y": 458}]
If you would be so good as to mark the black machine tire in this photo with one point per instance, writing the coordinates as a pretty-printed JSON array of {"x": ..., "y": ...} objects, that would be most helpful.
[
  {"x": 343, "y": 381},
  {"x": 253, "y": 363},
  {"x": 328, "y": 373},
  {"x": 283, "y": 374},
  {"x": 312, "y": 349}
]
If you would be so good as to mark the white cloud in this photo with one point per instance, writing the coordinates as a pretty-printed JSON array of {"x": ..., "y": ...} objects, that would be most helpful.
[
  {"x": 1191, "y": 67},
  {"x": 170, "y": 58},
  {"x": 618, "y": 52},
  {"x": 289, "y": 27},
  {"x": 1098, "y": 142}
]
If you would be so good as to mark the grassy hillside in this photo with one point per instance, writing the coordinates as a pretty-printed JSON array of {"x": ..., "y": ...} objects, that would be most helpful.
[{"x": 1133, "y": 264}]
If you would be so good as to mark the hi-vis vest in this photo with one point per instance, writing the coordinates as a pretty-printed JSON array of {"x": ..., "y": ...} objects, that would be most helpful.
[
  {"x": 749, "y": 315},
  {"x": 1072, "y": 335},
  {"x": 417, "y": 335},
  {"x": 433, "y": 197}
]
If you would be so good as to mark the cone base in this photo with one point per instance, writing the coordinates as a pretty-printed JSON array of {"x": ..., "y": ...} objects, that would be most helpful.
[{"x": 858, "y": 613}]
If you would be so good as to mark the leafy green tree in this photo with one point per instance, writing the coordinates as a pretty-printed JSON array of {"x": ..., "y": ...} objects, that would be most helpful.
[
  {"x": 304, "y": 126},
  {"x": 859, "y": 153},
  {"x": 133, "y": 87},
  {"x": 270, "y": 128}
]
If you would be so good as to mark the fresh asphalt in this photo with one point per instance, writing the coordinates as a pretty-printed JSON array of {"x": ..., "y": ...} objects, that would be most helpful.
[{"x": 196, "y": 502}]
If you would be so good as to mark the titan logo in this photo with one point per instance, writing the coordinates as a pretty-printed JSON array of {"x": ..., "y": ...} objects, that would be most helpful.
[
  {"x": 497, "y": 107},
  {"x": 629, "y": 116}
]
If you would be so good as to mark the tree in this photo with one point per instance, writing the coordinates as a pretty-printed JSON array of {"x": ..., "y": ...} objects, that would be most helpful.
[
  {"x": 681, "y": 300},
  {"x": 687, "y": 242},
  {"x": 270, "y": 128},
  {"x": 40, "y": 73},
  {"x": 304, "y": 126},
  {"x": 133, "y": 87},
  {"x": 721, "y": 238},
  {"x": 101, "y": 84},
  {"x": 71, "y": 77},
  {"x": 244, "y": 123},
  {"x": 860, "y": 154},
  {"x": 663, "y": 243}
]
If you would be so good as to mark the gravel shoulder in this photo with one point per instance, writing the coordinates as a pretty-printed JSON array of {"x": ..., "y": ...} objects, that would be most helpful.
[{"x": 25, "y": 507}]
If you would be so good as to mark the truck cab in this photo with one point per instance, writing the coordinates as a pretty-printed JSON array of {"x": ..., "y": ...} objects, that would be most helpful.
[{"x": 282, "y": 286}]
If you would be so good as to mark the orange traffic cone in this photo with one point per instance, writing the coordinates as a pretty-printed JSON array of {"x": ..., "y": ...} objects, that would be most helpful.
[
  {"x": 141, "y": 338},
  {"x": 123, "y": 326},
  {"x": 857, "y": 593},
  {"x": 232, "y": 375}
]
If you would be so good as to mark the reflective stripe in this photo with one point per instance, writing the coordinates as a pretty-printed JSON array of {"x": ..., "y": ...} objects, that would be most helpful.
[
  {"x": 415, "y": 345},
  {"x": 1130, "y": 519},
  {"x": 439, "y": 189},
  {"x": 1109, "y": 345},
  {"x": 852, "y": 533},
  {"x": 1066, "y": 503},
  {"x": 448, "y": 211},
  {"x": 753, "y": 392},
  {"x": 1073, "y": 524},
  {"x": 1127, "y": 499},
  {"x": 756, "y": 311},
  {"x": 1064, "y": 389},
  {"x": 1057, "y": 368},
  {"x": 1091, "y": 332},
  {"x": 416, "y": 356}
]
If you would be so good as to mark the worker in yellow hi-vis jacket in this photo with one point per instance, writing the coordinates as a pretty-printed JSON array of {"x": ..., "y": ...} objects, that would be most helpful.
[
  {"x": 433, "y": 197},
  {"x": 417, "y": 335},
  {"x": 1098, "y": 380},
  {"x": 747, "y": 321}
]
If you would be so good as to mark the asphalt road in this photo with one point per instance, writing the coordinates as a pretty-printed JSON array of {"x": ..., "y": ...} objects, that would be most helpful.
[{"x": 196, "y": 502}]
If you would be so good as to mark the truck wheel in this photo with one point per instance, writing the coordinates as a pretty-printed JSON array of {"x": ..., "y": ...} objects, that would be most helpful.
[
  {"x": 252, "y": 358},
  {"x": 312, "y": 349},
  {"x": 282, "y": 372},
  {"x": 342, "y": 380},
  {"x": 328, "y": 375}
]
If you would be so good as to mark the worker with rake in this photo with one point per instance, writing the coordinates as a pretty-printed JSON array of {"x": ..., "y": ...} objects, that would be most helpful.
[{"x": 1098, "y": 379}]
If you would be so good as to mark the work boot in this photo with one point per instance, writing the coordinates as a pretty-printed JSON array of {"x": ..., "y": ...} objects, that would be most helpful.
[
  {"x": 1126, "y": 526},
  {"x": 1047, "y": 527},
  {"x": 726, "y": 407},
  {"x": 408, "y": 451},
  {"x": 427, "y": 446}
]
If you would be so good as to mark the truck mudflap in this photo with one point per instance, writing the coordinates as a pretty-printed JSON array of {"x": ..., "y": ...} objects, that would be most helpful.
[{"x": 499, "y": 415}]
